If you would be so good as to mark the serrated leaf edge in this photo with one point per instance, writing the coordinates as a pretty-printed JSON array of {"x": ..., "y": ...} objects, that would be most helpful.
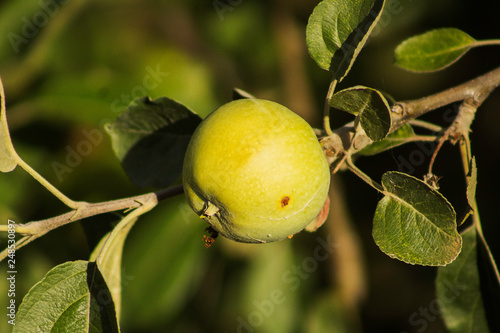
[{"x": 456, "y": 233}]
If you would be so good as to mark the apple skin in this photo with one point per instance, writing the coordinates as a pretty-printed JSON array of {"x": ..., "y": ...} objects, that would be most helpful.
[{"x": 255, "y": 171}]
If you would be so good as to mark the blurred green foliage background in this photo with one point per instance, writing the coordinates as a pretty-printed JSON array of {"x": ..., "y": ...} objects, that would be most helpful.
[{"x": 69, "y": 67}]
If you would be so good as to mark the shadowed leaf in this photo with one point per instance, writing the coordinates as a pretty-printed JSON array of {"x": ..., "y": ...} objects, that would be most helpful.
[
  {"x": 168, "y": 243},
  {"x": 108, "y": 253},
  {"x": 396, "y": 138},
  {"x": 337, "y": 31},
  {"x": 490, "y": 282},
  {"x": 370, "y": 107},
  {"x": 458, "y": 290},
  {"x": 150, "y": 139}
]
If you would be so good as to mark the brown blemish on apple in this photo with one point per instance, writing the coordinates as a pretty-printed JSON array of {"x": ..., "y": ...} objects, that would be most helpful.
[{"x": 284, "y": 201}]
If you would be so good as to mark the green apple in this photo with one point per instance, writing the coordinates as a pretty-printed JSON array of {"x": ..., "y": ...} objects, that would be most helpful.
[{"x": 255, "y": 171}]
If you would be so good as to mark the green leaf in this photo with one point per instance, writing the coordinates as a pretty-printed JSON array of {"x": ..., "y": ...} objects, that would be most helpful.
[
  {"x": 415, "y": 223},
  {"x": 7, "y": 152},
  {"x": 168, "y": 243},
  {"x": 338, "y": 29},
  {"x": 490, "y": 282},
  {"x": 459, "y": 291},
  {"x": 396, "y": 138},
  {"x": 110, "y": 260},
  {"x": 433, "y": 50},
  {"x": 150, "y": 139},
  {"x": 72, "y": 297},
  {"x": 370, "y": 107},
  {"x": 472, "y": 183},
  {"x": 108, "y": 253}
]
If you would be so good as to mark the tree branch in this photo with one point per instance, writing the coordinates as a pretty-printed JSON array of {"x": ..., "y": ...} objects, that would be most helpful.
[
  {"x": 474, "y": 91},
  {"x": 36, "y": 229},
  {"x": 342, "y": 143}
]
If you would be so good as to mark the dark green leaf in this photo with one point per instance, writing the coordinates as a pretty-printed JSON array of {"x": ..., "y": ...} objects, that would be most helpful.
[
  {"x": 150, "y": 139},
  {"x": 369, "y": 105},
  {"x": 110, "y": 261},
  {"x": 433, "y": 50},
  {"x": 7, "y": 152},
  {"x": 458, "y": 290},
  {"x": 338, "y": 29},
  {"x": 415, "y": 223},
  {"x": 490, "y": 283},
  {"x": 396, "y": 138},
  {"x": 72, "y": 297},
  {"x": 108, "y": 253},
  {"x": 168, "y": 243}
]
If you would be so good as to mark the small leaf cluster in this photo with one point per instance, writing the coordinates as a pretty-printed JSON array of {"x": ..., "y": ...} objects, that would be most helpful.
[{"x": 413, "y": 222}]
